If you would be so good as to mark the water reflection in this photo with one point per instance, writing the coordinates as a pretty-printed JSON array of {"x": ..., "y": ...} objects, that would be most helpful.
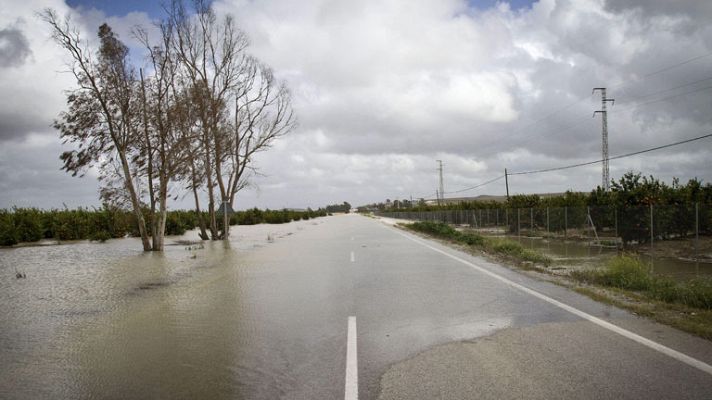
[
  {"x": 108, "y": 320},
  {"x": 589, "y": 254}
]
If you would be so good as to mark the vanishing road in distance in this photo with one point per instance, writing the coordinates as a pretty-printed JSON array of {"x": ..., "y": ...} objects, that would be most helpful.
[{"x": 349, "y": 307}]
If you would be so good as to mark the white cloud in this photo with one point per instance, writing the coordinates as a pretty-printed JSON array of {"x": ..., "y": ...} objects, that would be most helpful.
[{"x": 384, "y": 88}]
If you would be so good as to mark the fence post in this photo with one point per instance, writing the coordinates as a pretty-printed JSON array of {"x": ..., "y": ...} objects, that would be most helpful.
[
  {"x": 651, "y": 231},
  {"x": 497, "y": 216},
  {"x": 615, "y": 217},
  {"x": 566, "y": 221},
  {"x": 547, "y": 221},
  {"x": 519, "y": 226},
  {"x": 697, "y": 230},
  {"x": 506, "y": 217},
  {"x": 531, "y": 219}
]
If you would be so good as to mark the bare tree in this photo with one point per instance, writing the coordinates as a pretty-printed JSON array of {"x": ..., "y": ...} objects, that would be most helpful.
[
  {"x": 213, "y": 56},
  {"x": 200, "y": 115},
  {"x": 242, "y": 109},
  {"x": 100, "y": 119},
  {"x": 262, "y": 113},
  {"x": 166, "y": 143}
]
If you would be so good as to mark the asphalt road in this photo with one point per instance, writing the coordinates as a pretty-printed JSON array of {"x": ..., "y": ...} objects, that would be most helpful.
[{"x": 431, "y": 322}]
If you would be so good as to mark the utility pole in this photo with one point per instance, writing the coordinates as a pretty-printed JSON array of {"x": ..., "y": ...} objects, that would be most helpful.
[
  {"x": 506, "y": 182},
  {"x": 441, "y": 186},
  {"x": 604, "y": 136}
]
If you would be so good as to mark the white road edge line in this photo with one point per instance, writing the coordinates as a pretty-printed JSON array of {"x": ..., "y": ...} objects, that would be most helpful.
[
  {"x": 351, "y": 387},
  {"x": 353, "y": 257},
  {"x": 693, "y": 362}
]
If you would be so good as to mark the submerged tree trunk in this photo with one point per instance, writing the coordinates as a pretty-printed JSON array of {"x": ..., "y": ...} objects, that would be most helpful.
[{"x": 135, "y": 203}]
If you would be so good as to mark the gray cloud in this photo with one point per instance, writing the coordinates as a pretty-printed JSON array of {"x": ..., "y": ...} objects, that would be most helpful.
[
  {"x": 693, "y": 8},
  {"x": 384, "y": 89},
  {"x": 14, "y": 47},
  {"x": 15, "y": 125}
]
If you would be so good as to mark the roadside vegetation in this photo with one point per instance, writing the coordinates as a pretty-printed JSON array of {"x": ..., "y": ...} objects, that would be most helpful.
[
  {"x": 629, "y": 273},
  {"x": 679, "y": 211},
  {"x": 502, "y": 247},
  {"x": 28, "y": 225},
  {"x": 624, "y": 281}
]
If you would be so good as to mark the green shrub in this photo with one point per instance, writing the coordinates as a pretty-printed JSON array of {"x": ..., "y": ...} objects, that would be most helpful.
[
  {"x": 28, "y": 224},
  {"x": 514, "y": 249},
  {"x": 439, "y": 229},
  {"x": 101, "y": 236},
  {"x": 472, "y": 239},
  {"x": 628, "y": 272},
  {"x": 8, "y": 234},
  {"x": 694, "y": 293}
]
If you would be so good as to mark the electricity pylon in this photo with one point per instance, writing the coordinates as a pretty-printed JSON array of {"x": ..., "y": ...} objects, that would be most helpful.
[{"x": 604, "y": 136}]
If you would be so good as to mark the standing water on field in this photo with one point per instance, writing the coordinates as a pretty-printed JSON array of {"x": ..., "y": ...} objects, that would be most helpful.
[
  {"x": 101, "y": 319},
  {"x": 588, "y": 254}
]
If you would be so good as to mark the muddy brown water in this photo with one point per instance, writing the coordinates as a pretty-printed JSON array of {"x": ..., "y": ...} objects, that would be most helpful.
[
  {"x": 94, "y": 319},
  {"x": 586, "y": 254}
]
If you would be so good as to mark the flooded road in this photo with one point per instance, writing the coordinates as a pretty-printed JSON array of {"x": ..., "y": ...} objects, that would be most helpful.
[
  {"x": 266, "y": 318},
  {"x": 96, "y": 320}
]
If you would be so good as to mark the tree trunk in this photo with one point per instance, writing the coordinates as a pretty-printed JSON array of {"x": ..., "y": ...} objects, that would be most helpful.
[
  {"x": 160, "y": 231},
  {"x": 135, "y": 202},
  {"x": 201, "y": 222},
  {"x": 211, "y": 190},
  {"x": 199, "y": 214}
]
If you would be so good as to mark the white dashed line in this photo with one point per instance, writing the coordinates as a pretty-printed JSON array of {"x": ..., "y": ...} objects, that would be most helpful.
[{"x": 351, "y": 387}]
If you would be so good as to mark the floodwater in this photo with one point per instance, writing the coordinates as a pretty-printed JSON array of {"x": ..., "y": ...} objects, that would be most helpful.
[
  {"x": 578, "y": 253},
  {"x": 95, "y": 320}
]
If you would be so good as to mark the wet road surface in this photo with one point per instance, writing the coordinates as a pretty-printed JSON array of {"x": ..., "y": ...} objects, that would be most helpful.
[{"x": 272, "y": 320}]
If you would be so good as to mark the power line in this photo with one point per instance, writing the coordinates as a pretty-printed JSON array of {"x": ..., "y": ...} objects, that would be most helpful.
[
  {"x": 665, "y": 69},
  {"x": 621, "y": 85},
  {"x": 661, "y": 99},
  {"x": 573, "y": 165},
  {"x": 612, "y": 158},
  {"x": 635, "y": 98},
  {"x": 477, "y": 186},
  {"x": 531, "y": 136}
]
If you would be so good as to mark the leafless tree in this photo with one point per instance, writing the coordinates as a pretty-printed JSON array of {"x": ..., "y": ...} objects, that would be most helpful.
[
  {"x": 101, "y": 119},
  {"x": 199, "y": 116},
  {"x": 262, "y": 113},
  {"x": 241, "y": 107},
  {"x": 166, "y": 143}
]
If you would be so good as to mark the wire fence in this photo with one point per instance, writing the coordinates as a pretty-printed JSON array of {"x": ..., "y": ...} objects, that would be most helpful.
[{"x": 605, "y": 226}]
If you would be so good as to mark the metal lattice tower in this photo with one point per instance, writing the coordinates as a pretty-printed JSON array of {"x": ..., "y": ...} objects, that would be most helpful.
[
  {"x": 441, "y": 186},
  {"x": 606, "y": 181}
]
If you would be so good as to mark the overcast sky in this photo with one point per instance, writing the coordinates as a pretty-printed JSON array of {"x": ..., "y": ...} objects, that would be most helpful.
[{"x": 384, "y": 88}]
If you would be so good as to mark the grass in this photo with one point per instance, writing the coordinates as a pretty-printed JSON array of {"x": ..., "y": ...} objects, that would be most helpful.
[
  {"x": 692, "y": 320},
  {"x": 515, "y": 250},
  {"x": 629, "y": 273},
  {"x": 502, "y": 247}
]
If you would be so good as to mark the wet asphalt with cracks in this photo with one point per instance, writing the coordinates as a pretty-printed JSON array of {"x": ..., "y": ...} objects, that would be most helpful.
[{"x": 431, "y": 327}]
